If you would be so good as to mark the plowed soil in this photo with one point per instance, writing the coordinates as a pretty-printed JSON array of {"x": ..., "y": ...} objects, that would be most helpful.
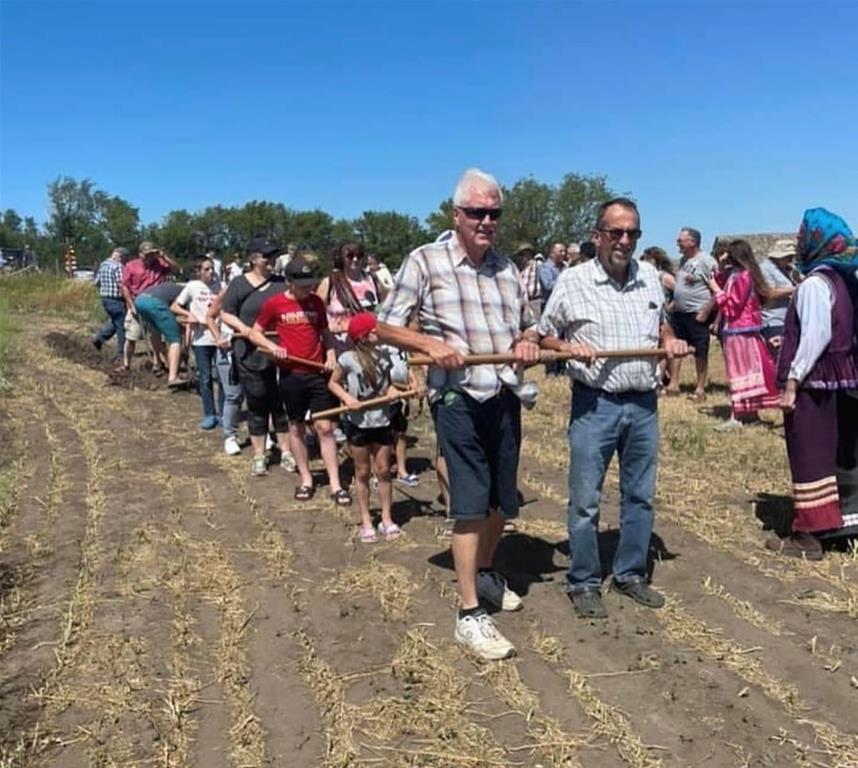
[{"x": 160, "y": 607}]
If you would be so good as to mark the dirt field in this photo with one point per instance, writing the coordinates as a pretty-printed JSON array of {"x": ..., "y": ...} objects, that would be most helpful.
[{"x": 160, "y": 607}]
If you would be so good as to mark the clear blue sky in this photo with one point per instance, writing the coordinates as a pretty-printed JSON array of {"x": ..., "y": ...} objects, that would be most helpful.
[{"x": 732, "y": 117}]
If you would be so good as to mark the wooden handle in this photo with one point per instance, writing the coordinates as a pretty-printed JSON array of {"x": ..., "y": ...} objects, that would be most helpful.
[
  {"x": 365, "y": 404},
  {"x": 545, "y": 356}
]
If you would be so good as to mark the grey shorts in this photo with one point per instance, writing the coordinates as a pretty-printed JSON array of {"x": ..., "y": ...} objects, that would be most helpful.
[{"x": 135, "y": 329}]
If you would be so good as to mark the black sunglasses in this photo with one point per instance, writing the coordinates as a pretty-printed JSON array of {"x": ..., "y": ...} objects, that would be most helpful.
[
  {"x": 616, "y": 234},
  {"x": 480, "y": 213}
]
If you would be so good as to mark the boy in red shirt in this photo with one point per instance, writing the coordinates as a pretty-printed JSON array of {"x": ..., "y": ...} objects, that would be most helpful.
[{"x": 298, "y": 316}]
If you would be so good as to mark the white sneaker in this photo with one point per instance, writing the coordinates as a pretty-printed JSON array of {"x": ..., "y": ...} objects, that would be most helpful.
[
  {"x": 231, "y": 446},
  {"x": 480, "y": 635},
  {"x": 287, "y": 461},
  {"x": 491, "y": 586}
]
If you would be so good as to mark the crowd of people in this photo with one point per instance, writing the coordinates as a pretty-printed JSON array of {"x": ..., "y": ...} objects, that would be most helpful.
[{"x": 300, "y": 350}]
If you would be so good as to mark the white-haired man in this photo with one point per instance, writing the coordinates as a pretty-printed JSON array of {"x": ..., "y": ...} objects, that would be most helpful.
[{"x": 468, "y": 299}]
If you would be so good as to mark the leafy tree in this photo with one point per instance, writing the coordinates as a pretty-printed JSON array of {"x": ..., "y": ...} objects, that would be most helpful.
[
  {"x": 73, "y": 219},
  {"x": 118, "y": 220},
  {"x": 527, "y": 216},
  {"x": 177, "y": 234},
  {"x": 440, "y": 220},
  {"x": 575, "y": 203},
  {"x": 389, "y": 234}
]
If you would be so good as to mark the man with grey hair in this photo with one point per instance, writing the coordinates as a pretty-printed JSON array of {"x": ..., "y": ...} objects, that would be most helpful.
[
  {"x": 690, "y": 296},
  {"x": 468, "y": 299}
]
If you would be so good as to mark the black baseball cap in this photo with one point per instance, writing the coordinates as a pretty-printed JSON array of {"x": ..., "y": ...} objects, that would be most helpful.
[
  {"x": 301, "y": 270},
  {"x": 261, "y": 245}
]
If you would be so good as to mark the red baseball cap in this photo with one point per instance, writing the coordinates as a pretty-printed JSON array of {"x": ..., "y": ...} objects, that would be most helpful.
[{"x": 362, "y": 325}]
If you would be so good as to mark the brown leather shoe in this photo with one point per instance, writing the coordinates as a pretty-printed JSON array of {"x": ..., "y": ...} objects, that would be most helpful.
[{"x": 804, "y": 545}]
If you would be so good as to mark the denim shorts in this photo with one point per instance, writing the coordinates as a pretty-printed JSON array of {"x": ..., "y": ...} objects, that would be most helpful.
[
  {"x": 480, "y": 442},
  {"x": 158, "y": 315}
]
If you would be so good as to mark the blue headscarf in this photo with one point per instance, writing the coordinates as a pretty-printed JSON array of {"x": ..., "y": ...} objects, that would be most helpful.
[{"x": 825, "y": 240}]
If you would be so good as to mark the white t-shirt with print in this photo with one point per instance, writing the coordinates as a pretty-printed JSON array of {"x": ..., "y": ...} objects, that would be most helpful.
[{"x": 197, "y": 297}]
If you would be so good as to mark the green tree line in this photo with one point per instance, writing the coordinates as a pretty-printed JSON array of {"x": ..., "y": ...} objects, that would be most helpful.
[{"x": 94, "y": 222}]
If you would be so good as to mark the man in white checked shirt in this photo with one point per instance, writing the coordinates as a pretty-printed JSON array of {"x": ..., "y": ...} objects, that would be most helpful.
[
  {"x": 611, "y": 302},
  {"x": 468, "y": 299}
]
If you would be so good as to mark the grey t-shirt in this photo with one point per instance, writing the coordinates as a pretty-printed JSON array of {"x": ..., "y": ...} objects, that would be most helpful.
[
  {"x": 166, "y": 292},
  {"x": 774, "y": 315},
  {"x": 692, "y": 292},
  {"x": 357, "y": 385}
]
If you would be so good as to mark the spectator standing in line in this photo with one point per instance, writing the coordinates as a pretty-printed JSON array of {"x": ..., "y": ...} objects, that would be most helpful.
[
  {"x": 217, "y": 265},
  {"x": 549, "y": 272},
  {"x": 284, "y": 258},
  {"x": 690, "y": 296},
  {"x": 573, "y": 254},
  {"x": 381, "y": 272},
  {"x": 528, "y": 268},
  {"x": 777, "y": 271},
  {"x": 611, "y": 302},
  {"x": 193, "y": 304},
  {"x": 108, "y": 279},
  {"x": 466, "y": 299},
  {"x": 257, "y": 373},
  {"x": 299, "y": 319},
  {"x": 150, "y": 268}
]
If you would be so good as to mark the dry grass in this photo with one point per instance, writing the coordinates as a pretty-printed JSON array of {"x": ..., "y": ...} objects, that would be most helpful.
[
  {"x": 742, "y": 608},
  {"x": 608, "y": 722},
  {"x": 392, "y": 585}
]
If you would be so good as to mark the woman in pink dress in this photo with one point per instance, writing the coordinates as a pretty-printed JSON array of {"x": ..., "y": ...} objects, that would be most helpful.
[{"x": 750, "y": 368}]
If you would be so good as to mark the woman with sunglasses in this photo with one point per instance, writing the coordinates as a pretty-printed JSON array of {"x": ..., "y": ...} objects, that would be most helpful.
[
  {"x": 350, "y": 290},
  {"x": 257, "y": 373},
  {"x": 192, "y": 305}
]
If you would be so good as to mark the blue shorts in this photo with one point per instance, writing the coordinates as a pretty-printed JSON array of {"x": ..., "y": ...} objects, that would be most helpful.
[
  {"x": 158, "y": 315},
  {"x": 480, "y": 443}
]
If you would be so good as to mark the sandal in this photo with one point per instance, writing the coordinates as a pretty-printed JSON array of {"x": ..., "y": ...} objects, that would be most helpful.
[
  {"x": 304, "y": 492},
  {"x": 390, "y": 532},
  {"x": 341, "y": 498},
  {"x": 697, "y": 397},
  {"x": 367, "y": 535}
]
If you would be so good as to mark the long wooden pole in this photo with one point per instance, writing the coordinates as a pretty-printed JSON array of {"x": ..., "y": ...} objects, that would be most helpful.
[
  {"x": 365, "y": 404},
  {"x": 545, "y": 356}
]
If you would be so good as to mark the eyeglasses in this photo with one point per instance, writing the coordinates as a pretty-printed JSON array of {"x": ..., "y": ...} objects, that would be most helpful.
[
  {"x": 616, "y": 234},
  {"x": 478, "y": 214}
]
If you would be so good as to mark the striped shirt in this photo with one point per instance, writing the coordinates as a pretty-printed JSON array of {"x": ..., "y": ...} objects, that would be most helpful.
[
  {"x": 109, "y": 279},
  {"x": 472, "y": 309},
  {"x": 589, "y": 306}
]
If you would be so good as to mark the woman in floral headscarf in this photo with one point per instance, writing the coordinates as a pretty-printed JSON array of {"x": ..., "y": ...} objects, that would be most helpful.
[{"x": 818, "y": 371}]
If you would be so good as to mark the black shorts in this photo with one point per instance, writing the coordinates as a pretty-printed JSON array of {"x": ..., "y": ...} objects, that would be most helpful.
[
  {"x": 695, "y": 334},
  {"x": 480, "y": 443},
  {"x": 361, "y": 437},
  {"x": 399, "y": 418},
  {"x": 302, "y": 392}
]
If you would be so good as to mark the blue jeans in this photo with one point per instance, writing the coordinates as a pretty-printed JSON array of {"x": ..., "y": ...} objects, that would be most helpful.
[
  {"x": 115, "y": 309},
  {"x": 231, "y": 395},
  {"x": 603, "y": 424},
  {"x": 205, "y": 355}
]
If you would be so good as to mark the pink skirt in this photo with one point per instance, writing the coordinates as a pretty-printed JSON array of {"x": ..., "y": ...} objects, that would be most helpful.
[{"x": 751, "y": 373}]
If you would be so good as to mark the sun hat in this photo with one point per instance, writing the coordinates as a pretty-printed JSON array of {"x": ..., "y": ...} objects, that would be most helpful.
[{"x": 781, "y": 249}]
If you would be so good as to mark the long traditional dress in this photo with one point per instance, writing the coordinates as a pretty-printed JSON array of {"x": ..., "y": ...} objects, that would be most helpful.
[
  {"x": 821, "y": 433},
  {"x": 750, "y": 369}
]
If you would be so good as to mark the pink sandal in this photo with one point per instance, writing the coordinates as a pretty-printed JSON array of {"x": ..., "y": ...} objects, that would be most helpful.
[
  {"x": 367, "y": 535},
  {"x": 390, "y": 532}
]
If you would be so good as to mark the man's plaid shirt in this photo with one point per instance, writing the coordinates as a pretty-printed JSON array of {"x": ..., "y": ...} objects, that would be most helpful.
[
  {"x": 109, "y": 279},
  {"x": 476, "y": 310},
  {"x": 589, "y": 306}
]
